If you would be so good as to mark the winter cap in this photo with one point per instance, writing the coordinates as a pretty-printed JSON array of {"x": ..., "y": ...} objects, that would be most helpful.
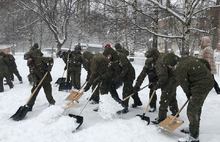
[
  {"x": 108, "y": 46},
  {"x": 118, "y": 46},
  {"x": 78, "y": 48},
  {"x": 152, "y": 52},
  {"x": 171, "y": 59},
  {"x": 35, "y": 46}
]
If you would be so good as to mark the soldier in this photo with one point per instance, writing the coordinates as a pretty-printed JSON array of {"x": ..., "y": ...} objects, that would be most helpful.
[
  {"x": 120, "y": 49},
  {"x": 39, "y": 66},
  {"x": 102, "y": 74},
  {"x": 125, "y": 73},
  {"x": 150, "y": 70},
  {"x": 196, "y": 81},
  {"x": 35, "y": 52},
  {"x": 13, "y": 68},
  {"x": 87, "y": 61},
  {"x": 75, "y": 62},
  {"x": 167, "y": 83},
  {"x": 4, "y": 72}
]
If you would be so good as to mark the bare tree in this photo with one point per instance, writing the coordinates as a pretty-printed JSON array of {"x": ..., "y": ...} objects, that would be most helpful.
[{"x": 55, "y": 13}]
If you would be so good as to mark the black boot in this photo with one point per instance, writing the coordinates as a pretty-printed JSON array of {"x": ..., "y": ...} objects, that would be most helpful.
[
  {"x": 152, "y": 109},
  {"x": 123, "y": 111},
  {"x": 157, "y": 120},
  {"x": 134, "y": 105}
]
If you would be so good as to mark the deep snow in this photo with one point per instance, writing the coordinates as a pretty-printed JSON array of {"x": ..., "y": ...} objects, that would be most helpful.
[{"x": 51, "y": 124}]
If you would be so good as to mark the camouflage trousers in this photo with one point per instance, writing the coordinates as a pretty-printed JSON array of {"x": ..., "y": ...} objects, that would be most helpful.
[
  {"x": 168, "y": 99},
  {"x": 47, "y": 90},
  {"x": 75, "y": 79},
  {"x": 103, "y": 88},
  {"x": 128, "y": 90},
  {"x": 194, "y": 108},
  {"x": 15, "y": 71}
]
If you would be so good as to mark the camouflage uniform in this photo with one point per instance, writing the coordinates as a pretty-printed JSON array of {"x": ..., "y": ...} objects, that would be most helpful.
[
  {"x": 150, "y": 70},
  {"x": 13, "y": 68},
  {"x": 101, "y": 74},
  {"x": 4, "y": 72},
  {"x": 167, "y": 83},
  {"x": 126, "y": 74},
  {"x": 74, "y": 68},
  {"x": 35, "y": 52},
  {"x": 196, "y": 81},
  {"x": 39, "y": 66}
]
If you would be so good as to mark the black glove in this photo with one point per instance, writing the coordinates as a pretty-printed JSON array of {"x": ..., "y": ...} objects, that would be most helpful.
[
  {"x": 188, "y": 95},
  {"x": 87, "y": 87}
]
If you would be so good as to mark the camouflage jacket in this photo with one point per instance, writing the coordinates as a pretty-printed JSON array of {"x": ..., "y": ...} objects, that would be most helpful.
[
  {"x": 193, "y": 73},
  {"x": 123, "y": 51},
  {"x": 164, "y": 73},
  {"x": 3, "y": 66},
  {"x": 99, "y": 68},
  {"x": 127, "y": 70},
  {"x": 148, "y": 69},
  {"x": 39, "y": 66},
  {"x": 75, "y": 61}
]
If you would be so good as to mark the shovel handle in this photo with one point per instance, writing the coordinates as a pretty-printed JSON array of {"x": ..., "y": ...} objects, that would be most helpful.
[
  {"x": 179, "y": 111},
  {"x": 152, "y": 95},
  {"x": 89, "y": 99},
  {"x": 134, "y": 93}
]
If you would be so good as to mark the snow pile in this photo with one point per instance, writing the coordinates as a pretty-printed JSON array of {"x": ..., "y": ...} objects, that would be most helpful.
[
  {"x": 49, "y": 124},
  {"x": 108, "y": 107},
  {"x": 132, "y": 130}
]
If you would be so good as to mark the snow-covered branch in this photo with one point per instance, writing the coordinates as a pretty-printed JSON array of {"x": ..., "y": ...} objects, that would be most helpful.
[
  {"x": 206, "y": 8},
  {"x": 199, "y": 30},
  {"x": 175, "y": 14},
  {"x": 157, "y": 34}
]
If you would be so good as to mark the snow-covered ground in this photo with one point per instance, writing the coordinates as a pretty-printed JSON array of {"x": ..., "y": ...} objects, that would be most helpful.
[{"x": 52, "y": 124}]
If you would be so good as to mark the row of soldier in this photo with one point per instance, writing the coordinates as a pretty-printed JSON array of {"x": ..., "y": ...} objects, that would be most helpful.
[
  {"x": 165, "y": 71},
  {"x": 112, "y": 68}
]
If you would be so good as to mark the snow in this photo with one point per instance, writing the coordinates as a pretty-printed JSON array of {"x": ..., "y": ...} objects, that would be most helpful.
[{"x": 52, "y": 123}]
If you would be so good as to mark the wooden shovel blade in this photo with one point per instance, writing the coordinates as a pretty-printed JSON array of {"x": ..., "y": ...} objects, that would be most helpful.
[
  {"x": 171, "y": 123},
  {"x": 74, "y": 95}
]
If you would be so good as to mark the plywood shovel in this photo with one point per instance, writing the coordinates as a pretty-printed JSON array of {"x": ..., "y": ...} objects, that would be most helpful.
[
  {"x": 75, "y": 94},
  {"x": 171, "y": 123}
]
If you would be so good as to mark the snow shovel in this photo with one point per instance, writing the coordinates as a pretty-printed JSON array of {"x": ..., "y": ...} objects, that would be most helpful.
[
  {"x": 22, "y": 111},
  {"x": 76, "y": 94},
  {"x": 66, "y": 85},
  {"x": 142, "y": 116},
  {"x": 79, "y": 119},
  {"x": 61, "y": 79},
  {"x": 171, "y": 123}
]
